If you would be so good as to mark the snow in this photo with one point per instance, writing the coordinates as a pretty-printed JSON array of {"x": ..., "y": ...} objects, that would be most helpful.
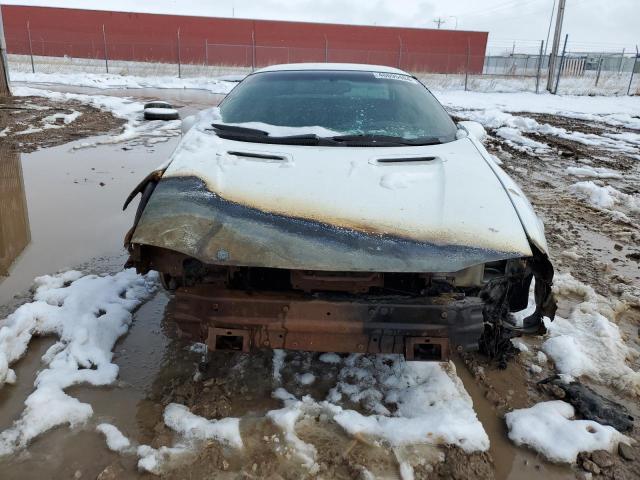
[
  {"x": 280, "y": 131},
  {"x": 593, "y": 172},
  {"x": 588, "y": 342},
  {"x": 605, "y": 197},
  {"x": 116, "y": 441},
  {"x": 600, "y": 197},
  {"x": 180, "y": 419},
  {"x": 541, "y": 357},
  {"x": 278, "y": 362},
  {"x": 135, "y": 128},
  {"x": 305, "y": 378},
  {"x": 330, "y": 358},
  {"x": 193, "y": 432},
  {"x": 66, "y": 118},
  {"x": 113, "y": 81},
  {"x": 159, "y": 460},
  {"x": 160, "y": 111},
  {"x": 517, "y": 140},
  {"x": 533, "y": 368},
  {"x": 430, "y": 406},
  {"x": 88, "y": 314},
  {"x": 615, "y": 111},
  {"x": 519, "y": 344},
  {"x": 548, "y": 428},
  {"x": 286, "y": 418},
  {"x": 513, "y": 127}
]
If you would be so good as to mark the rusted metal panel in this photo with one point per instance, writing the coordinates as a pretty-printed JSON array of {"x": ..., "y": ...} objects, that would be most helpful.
[
  {"x": 330, "y": 322},
  {"x": 338, "y": 281}
]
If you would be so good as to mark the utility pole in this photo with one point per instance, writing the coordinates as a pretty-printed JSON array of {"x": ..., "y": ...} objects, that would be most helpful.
[
  {"x": 556, "y": 45},
  {"x": 439, "y": 21},
  {"x": 4, "y": 65}
]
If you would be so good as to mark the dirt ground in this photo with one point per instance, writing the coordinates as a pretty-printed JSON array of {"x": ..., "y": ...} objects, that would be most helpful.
[
  {"x": 24, "y": 123},
  {"x": 162, "y": 369}
]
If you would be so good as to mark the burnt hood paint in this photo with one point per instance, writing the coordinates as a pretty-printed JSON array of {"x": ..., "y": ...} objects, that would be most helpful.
[
  {"x": 185, "y": 216},
  {"x": 331, "y": 208}
]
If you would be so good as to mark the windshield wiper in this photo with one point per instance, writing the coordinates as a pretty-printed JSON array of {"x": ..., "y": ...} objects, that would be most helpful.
[
  {"x": 221, "y": 127},
  {"x": 304, "y": 139},
  {"x": 254, "y": 135},
  {"x": 383, "y": 140}
]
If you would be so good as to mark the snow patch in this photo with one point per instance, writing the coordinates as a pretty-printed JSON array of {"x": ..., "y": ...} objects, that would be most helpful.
[
  {"x": 89, "y": 314},
  {"x": 110, "y": 80},
  {"x": 159, "y": 460},
  {"x": 281, "y": 131},
  {"x": 330, "y": 358},
  {"x": 181, "y": 420},
  {"x": 116, "y": 441},
  {"x": 431, "y": 406},
  {"x": 547, "y": 428},
  {"x": 278, "y": 362},
  {"x": 588, "y": 342},
  {"x": 593, "y": 172},
  {"x": 305, "y": 378},
  {"x": 604, "y": 197}
]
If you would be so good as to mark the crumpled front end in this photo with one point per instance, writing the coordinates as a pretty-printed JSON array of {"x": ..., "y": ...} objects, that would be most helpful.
[{"x": 288, "y": 247}]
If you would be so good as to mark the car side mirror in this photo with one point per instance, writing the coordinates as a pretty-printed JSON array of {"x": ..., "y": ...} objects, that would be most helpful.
[{"x": 474, "y": 129}]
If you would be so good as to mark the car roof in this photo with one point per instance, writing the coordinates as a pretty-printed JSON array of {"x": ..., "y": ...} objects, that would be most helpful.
[{"x": 361, "y": 67}]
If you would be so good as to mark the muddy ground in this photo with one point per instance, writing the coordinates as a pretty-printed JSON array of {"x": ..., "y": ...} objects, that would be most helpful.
[
  {"x": 158, "y": 367},
  {"x": 27, "y": 123}
]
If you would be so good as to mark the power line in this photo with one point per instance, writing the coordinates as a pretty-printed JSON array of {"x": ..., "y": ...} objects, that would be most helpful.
[{"x": 546, "y": 44}]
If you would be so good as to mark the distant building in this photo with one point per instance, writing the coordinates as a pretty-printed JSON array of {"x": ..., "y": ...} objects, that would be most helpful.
[{"x": 238, "y": 42}]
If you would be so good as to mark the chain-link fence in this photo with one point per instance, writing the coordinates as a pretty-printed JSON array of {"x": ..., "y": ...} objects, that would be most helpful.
[{"x": 575, "y": 72}]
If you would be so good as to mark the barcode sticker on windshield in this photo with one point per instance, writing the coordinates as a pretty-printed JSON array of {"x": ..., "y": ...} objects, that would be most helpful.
[{"x": 395, "y": 76}]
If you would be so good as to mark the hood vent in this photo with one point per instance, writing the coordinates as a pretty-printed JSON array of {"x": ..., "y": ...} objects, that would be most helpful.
[
  {"x": 403, "y": 160},
  {"x": 259, "y": 156}
]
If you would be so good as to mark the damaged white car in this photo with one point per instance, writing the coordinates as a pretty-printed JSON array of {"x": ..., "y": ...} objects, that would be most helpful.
[{"x": 338, "y": 207}]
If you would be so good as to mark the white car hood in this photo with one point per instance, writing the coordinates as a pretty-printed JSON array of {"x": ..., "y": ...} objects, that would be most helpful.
[{"x": 332, "y": 208}]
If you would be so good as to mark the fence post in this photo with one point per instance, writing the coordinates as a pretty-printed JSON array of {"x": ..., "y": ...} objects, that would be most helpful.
[
  {"x": 466, "y": 70},
  {"x": 564, "y": 50},
  {"x": 633, "y": 70},
  {"x": 599, "y": 69},
  {"x": 179, "y": 59},
  {"x": 104, "y": 43},
  {"x": 539, "y": 66},
  {"x": 206, "y": 52},
  {"x": 33, "y": 68}
]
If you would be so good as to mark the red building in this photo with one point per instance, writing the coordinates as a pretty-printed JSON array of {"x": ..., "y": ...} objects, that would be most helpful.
[{"x": 232, "y": 41}]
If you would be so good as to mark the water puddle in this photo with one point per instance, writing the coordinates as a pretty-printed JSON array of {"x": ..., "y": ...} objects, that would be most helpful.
[
  {"x": 64, "y": 207},
  {"x": 510, "y": 462}
]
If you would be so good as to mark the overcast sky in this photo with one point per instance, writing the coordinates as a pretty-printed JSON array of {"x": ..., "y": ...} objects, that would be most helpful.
[{"x": 591, "y": 24}]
